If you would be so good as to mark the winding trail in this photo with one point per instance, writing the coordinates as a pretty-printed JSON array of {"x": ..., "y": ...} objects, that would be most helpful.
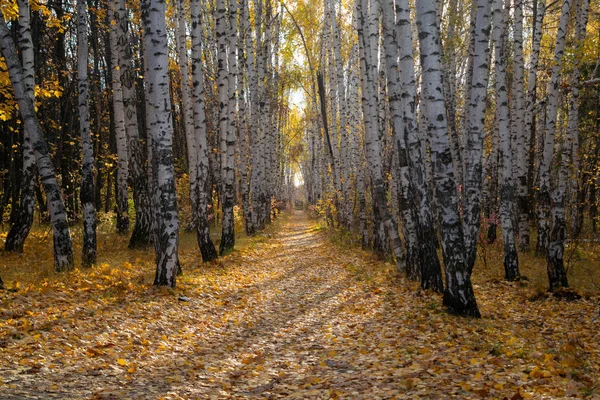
[{"x": 291, "y": 315}]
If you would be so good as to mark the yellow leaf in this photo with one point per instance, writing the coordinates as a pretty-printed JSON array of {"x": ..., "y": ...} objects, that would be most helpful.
[{"x": 121, "y": 361}]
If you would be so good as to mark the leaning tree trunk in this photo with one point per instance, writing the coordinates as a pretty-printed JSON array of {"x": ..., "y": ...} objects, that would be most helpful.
[
  {"x": 161, "y": 132},
  {"x": 87, "y": 150},
  {"x": 207, "y": 248},
  {"x": 431, "y": 275},
  {"x": 119, "y": 124},
  {"x": 23, "y": 219},
  {"x": 474, "y": 140},
  {"x": 459, "y": 297},
  {"x": 63, "y": 248},
  {"x": 550, "y": 133},
  {"x": 511, "y": 260}
]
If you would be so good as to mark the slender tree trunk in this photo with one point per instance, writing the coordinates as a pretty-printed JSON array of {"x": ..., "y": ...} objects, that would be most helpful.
[
  {"x": 573, "y": 131},
  {"x": 207, "y": 248},
  {"x": 141, "y": 236},
  {"x": 550, "y": 133},
  {"x": 459, "y": 297},
  {"x": 368, "y": 23},
  {"x": 475, "y": 134},
  {"x": 63, "y": 248},
  {"x": 23, "y": 219},
  {"x": 524, "y": 141},
  {"x": 187, "y": 108},
  {"x": 406, "y": 201},
  {"x": 161, "y": 134},
  {"x": 557, "y": 275},
  {"x": 119, "y": 123},
  {"x": 431, "y": 275},
  {"x": 227, "y": 93},
  {"x": 87, "y": 149},
  {"x": 511, "y": 260}
]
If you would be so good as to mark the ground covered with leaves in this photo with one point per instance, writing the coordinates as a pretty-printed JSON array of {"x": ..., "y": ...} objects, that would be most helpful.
[{"x": 289, "y": 315}]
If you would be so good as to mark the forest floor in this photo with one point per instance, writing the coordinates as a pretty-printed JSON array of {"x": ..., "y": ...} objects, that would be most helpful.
[{"x": 291, "y": 315}]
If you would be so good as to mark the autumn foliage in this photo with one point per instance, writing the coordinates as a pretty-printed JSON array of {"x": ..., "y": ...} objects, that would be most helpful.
[{"x": 290, "y": 314}]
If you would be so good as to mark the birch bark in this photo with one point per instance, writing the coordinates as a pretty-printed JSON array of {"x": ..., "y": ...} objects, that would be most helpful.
[
  {"x": 368, "y": 24},
  {"x": 431, "y": 275},
  {"x": 119, "y": 123},
  {"x": 63, "y": 248},
  {"x": 161, "y": 132},
  {"x": 87, "y": 150},
  {"x": 205, "y": 243},
  {"x": 21, "y": 224},
  {"x": 511, "y": 261},
  {"x": 474, "y": 140},
  {"x": 459, "y": 297},
  {"x": 550, "y": 133},
  {"x": 524, "y": 137}
]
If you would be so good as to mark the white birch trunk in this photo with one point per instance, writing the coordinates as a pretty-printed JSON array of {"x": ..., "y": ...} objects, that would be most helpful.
[
  {"x": 550, "y": 132},
  {"x": 474, "y": 140},
  {"x": 87, "y": 168},
  {"x": 187, "y": 108},
  {"x": 459, "y": 297},
  {"x": 511, "y": 261},
  {"x": 524, "y": 137},
  {"x": 405, "y": 200},
  {"x": 119, "y": 124},
  {"x": 161, "y": 131},
  {"x": 140, "y": 237},
  {"x": 431, "y": 276},
  {"x": 227, "y": 121},
  {"x": 557, "y": 275},
  {"x": 63, "y": 248},
  {"x": 368, "y": 18},
  {"x": 205, "y": 243},
  {"x": 21, "y": 225}
]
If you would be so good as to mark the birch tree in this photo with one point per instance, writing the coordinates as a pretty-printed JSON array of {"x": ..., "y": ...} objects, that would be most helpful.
[
  {"x": 459, "y": 297},
  {"x": 557, "y": 275},
  {"x": 524, "y": 139},
  {"x": 21, "y": 223},
  {"x": 405, "y": 200},
  {"x": 368, "y": 29},
  {"x": 205, "y": 243},
  {"x": 119, "y": 123},
  {"x": 87, "y": 150},
  {"x": 474, "y": 140},
  {"x": 161, "y": 137},
  {"x": 511, "y": 261},
  {"x": 63, "y": 248},
  {"x": 550, "y": 132},
  {"x": 187, "y": 107},
  {"x": 431, "y": 276},
  {"x": 140, "y": 237},
  {"x": 227, "y": 235}
]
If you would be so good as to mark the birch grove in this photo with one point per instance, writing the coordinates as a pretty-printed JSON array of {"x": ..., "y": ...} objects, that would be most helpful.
[{"x": 404, "y": 127}]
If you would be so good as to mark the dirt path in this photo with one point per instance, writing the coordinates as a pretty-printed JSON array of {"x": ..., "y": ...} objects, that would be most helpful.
[{"x": 292, "y": 316}]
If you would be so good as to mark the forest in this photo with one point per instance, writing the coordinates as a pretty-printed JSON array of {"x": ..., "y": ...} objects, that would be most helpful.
[{"x": 302, "y": 199}]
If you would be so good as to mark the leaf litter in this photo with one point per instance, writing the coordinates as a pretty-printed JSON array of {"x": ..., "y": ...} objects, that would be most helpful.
[{"x": 294, "y": 316}]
